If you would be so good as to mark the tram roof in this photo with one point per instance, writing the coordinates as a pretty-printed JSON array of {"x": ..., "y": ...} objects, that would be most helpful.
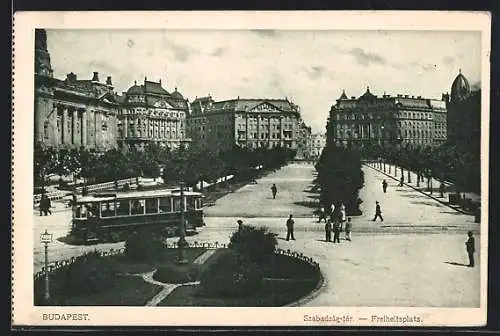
[{"x": 103, "y": 197}]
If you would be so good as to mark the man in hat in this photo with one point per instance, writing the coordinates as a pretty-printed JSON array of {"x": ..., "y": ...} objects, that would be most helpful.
[
  {"x": 378, "y": 212},
  {"x": 469, "y": 245},
  {"x": 274, "y": 190},
  {"x": 240, "y": 225}
]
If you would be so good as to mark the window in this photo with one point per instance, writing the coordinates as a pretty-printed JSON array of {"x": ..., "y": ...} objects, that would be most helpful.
[
  {"x": 177, "y": 204},
  {"x": 108, "y": 209},
  {"x": 151, "y": 205},
  {"x": 137, "y": 207},
  {"x": 123, "y": 208}
]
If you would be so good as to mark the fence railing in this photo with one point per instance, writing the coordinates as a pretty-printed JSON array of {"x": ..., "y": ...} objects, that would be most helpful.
[
  {"x": 56, "y": 265},
  {"x": 57, "y": 195}
]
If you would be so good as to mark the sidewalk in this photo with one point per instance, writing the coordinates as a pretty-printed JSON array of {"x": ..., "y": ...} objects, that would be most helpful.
[{"x": 394, "y": 172}]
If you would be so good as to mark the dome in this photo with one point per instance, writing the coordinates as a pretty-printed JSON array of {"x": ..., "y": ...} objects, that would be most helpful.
[
  {"x": 135, "y": 89},
  {"x": 176, "y": 94},
  {"x": 460, "y": 89}
]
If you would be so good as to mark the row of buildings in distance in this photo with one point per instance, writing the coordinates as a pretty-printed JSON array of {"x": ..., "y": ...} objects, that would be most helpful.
[
  {"x": 404, "y": 120},
  {"x": 87, "y": 113}
]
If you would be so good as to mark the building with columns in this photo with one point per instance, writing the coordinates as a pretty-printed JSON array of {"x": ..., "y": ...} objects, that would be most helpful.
[
  {"x": 400, "y": 120},
  {"x": 72, "y": 113},
  {"x": 150, "y": 114},
  {"x": 250, "y": 123}
]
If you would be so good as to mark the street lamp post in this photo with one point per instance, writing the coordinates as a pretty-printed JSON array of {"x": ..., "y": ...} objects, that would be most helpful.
[
  {"x": 46, "y": 239},
  {"x": 182, "y": 243}
]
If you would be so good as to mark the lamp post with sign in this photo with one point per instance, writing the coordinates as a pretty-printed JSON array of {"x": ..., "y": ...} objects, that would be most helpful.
[{"x": 46, "y": 239}]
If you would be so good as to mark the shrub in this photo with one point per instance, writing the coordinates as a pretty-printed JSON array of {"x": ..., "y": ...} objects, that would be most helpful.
[
  {"x": 256, "y": 244},
  {"x": 232, "y": 275},
  {"x": 143, "y": 246},
  {"x": 177, "y": 273},
  {"x": 89, "y": 274}
]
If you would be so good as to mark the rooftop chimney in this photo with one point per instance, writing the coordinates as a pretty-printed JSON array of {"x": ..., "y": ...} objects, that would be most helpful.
[
  {"x": 108, "y": 81},
  {"x": 96, "y": 77},
  {"x": 160, "y": 81}
]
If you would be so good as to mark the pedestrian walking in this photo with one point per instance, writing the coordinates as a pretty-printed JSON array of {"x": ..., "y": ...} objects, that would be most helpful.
[
  {"x": 470, "y": 247},
  {"x": 384, "y": 186},
  {"x": 240, "y": 225},
  {"x": 336, "y": 231},
  {"x": 289, "y": 228},
  {"x": 401, "y": 181},
  {"x": 274, "y": 190},
  {"x": 328, "y": 231},
  {"x": 322, "y": 214},
  {"x": 378, "y": 212},
  {"x": 348, "y": 228}
]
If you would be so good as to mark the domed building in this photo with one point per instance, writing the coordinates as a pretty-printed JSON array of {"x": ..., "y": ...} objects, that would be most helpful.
[
  {"x": 464, "y": 129},
  {"x": 150, "y": 114}
]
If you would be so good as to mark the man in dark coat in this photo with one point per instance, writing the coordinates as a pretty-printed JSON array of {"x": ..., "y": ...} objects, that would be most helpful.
[
  {"x": 401, "y": 181},
  {"x": 336, "y": 231},
  {"x": 469, "y": 244},
  {"x": 378, "y": 212},
  {"x": 328, "y": 231},
  {"x": 384, "y": 186},
  {"x": 240, "y": 225},
  {"x": 289, "y": 228},
  {"x": 274, "y": 190}
]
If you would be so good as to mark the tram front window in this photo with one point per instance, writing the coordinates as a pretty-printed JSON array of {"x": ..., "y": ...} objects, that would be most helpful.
[
  {"x": 137, "y": 207},
  {"x": 152, "y": 205}
]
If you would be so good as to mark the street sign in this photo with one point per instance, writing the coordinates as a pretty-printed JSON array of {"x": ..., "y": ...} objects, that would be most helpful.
[{"x": 46, "y": 237}]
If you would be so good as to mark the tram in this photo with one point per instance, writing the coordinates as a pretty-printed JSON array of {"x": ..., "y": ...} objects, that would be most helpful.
[{"x": 111, "y": 217}]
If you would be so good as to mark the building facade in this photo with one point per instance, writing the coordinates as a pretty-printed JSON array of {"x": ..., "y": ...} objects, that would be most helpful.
[
  {"x": 150, "y": 114},
  {"x": 315, "y": 145},
  {"x": 250, "y": 123},
  {"x": 396, "y": 120},
  {"x": 71, "y": 113}
]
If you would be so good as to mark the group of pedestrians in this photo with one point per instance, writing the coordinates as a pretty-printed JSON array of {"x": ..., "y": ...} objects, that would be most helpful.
[{"x": 45, "y": 205}]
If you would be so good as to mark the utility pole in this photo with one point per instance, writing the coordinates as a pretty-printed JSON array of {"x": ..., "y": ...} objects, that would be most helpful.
[{"x": 182, "y": 243}]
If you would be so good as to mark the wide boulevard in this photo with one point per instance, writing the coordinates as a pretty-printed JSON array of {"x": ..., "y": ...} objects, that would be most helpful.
[{"x": 415, "y": 257}]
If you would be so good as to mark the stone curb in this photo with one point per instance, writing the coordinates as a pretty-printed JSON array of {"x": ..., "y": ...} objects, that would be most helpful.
[{"x": 418, "y": 190}]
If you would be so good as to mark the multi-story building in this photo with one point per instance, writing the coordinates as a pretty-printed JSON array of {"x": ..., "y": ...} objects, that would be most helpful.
[
  {"x": 72, "y": 113},
  {"x": 250, "y": 123},
  {"x": 316, "y": 143},
  {"x": 401, "y": 120},
  {"x": 150, "y": 114}
]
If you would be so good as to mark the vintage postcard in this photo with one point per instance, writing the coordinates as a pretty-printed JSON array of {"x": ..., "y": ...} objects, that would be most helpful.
[{"x": 250, "y": 168}]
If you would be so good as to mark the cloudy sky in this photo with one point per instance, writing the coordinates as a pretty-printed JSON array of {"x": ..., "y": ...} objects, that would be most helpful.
[{"x": 309, "y": 67}]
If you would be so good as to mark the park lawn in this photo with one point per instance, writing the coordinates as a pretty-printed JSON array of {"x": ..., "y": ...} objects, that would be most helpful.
[
  {"x": 272, "y": 294},
  {"x": 286, "y": 280},
  {"x": 126, "y": 291}
]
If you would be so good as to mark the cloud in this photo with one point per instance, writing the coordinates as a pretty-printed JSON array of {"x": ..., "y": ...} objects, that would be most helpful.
[
  {"x": 429, "y": 67},
  {"x": 449, "y": 60},
  {"x": 182, "y": 53},
  {"x": 366, "y": 58},
  {"x": 265, "y": 32},
  {"x": 315, "y": 72},
  {"x": 218, "y": 52}
]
